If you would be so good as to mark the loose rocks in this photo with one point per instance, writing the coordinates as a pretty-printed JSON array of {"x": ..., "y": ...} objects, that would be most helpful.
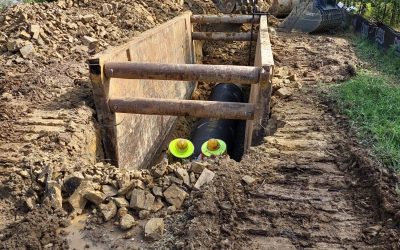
[
  {"x": 183, "y": 174},
  {"x": 248, "y": 179},
  {"x": 175, "y": 195},
  {"x": 141, "y": 199},
  {"x": 127, "y": 222},
  {"x": 284, "y": 92},
  {"x": 96, "y": 197},
  {"x": 108, "y": 210},
  {"x": 121, "y": 202},
  {"x": 154, "y": 229},
  {"x": 205, "y": 177}
]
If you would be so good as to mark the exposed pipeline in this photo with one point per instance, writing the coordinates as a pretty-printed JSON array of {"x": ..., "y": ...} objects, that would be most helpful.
[{"x": 230, "y": 131}]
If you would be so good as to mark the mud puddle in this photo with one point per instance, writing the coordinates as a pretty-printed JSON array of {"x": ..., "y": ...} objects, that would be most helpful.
[{"x": 77, "y": 236}]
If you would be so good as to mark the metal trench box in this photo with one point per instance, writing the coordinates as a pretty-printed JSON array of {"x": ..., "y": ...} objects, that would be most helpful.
[{"x": 140, "y": 87}]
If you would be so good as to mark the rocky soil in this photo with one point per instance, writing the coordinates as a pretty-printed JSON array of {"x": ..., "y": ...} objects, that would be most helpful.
[{"x": 310, "y": 185}]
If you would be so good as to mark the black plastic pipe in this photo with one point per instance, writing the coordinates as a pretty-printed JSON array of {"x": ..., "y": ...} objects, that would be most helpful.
[{"x": 230, "y": 131}]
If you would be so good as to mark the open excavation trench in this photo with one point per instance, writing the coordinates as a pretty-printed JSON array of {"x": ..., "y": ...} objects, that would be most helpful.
[
  {"x": 308, "y": 186},
  {"x": 232, "y": 131}
]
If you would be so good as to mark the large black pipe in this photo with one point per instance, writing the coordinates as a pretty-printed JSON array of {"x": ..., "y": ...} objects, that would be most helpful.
[{"x": 230, "y": 131}]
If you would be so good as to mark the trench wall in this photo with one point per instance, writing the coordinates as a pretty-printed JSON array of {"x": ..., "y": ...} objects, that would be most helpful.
[{"x": 132, "y": 140}]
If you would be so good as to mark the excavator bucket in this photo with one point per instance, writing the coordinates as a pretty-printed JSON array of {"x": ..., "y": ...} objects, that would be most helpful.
[
  {"x": 314, "y": 15},
  {"x": 302, "y": 15}
]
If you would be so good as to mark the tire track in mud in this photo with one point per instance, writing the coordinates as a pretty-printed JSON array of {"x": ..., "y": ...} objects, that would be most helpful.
[
  {"x": 312, "y": 197},
  {"x": 307, "y": 203}
]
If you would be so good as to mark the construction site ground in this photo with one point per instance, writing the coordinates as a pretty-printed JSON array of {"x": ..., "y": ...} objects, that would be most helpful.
[{"x": 309, "y": 185}]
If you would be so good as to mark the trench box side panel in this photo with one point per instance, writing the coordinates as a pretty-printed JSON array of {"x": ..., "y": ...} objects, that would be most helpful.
[
  {"x": 260, "y": 94},
  {"x": 132, "y": 140}
]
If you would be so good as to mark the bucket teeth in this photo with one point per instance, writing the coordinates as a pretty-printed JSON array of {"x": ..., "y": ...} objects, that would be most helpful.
[
  {"x": 247, "y": 6},
  {"x": 237, "y": 6}
]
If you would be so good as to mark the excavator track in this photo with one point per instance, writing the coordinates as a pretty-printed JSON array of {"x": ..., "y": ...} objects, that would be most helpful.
[{"x": 237, "y": 6}]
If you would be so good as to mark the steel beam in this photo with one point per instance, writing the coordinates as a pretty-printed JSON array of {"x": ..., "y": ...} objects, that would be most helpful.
[
  {"x": 225, "y": 19},
  {"x": 183, "y": 72},
  {"x": 203, "y": 109},
  {"x": 224, "y": 36}
]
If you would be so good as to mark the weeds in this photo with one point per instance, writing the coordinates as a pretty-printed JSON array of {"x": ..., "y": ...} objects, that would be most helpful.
[{"x": 372, "y": 102}]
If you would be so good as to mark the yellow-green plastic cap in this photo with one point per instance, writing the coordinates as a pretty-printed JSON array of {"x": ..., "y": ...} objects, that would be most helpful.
[
  {"x": 181, "y": 153},
  {"x": 220, "y": 151}
]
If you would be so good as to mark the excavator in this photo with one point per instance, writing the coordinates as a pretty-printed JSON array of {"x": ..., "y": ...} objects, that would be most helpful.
[{"x": 300, "y": 15}]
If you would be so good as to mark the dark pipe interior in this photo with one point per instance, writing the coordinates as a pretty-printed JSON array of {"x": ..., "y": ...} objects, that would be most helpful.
[{"x": 230, "y": 131}]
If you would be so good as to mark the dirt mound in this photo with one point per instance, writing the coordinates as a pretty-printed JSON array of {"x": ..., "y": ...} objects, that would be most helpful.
[
  {"x": 38, "y": 230},
  {"x": 46, "y": 107},
  {"x": 69, "y": 30}
]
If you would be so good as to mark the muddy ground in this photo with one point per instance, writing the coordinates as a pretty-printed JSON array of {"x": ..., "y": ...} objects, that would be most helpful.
[{"x": 312, "y": 185}]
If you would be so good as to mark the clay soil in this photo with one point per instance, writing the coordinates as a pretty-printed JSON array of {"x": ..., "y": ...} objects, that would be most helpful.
[{"x": 314, "y": 185}]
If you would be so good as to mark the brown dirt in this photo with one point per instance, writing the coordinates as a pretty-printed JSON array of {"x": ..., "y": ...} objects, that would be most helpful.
[
  {"x": 47, "y": 115},
  {"x": 315, "y": 186}
]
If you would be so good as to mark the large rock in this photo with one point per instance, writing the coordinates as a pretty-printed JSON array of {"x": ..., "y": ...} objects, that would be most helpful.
[
  {"x": 141, "y": 200},
  {"x": 154, "y": 229},
  {"x": 175, "y": 195},
  {"x": 27, "y": 50},
  {"x": 183, "y": 174},
  {"x": 14, "y": 45},
  {"x": 71, "y": 182},
  {"x": 108, "y": 210},
  {"x": 127, "y": 222},
  {"x": 128, "y": 187},
  {"x": 198, "y": 167},
  {"x": 144, "y": 214},
  {"x": 110, "y": 191},
  {"x": 96, "y": 197},
  {"x": 24, "y": 35},
  {"x": 87, "y": 18},
  {"x": 206, "y": 177},
  {"x": 53, "y": 195},
  {"x": 159, "y": 169},
  {"x": 157, "y": 205},
  {"x": 77, "y": 199},
  {"x": 34, "y": 30},
  {"x": 157, "y": 191},
  {"x": 121, "y": 202},
  {"x": 90, "y": 42},
  {"x": 248, "y": 179},
  {"x": 107, "y": 9},
  {"x": 284, "y": 92}
]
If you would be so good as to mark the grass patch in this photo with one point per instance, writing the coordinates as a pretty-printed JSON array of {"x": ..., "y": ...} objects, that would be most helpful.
[
  {"x": 371, "y": 100},
  {"x": 386, "y": 63}
]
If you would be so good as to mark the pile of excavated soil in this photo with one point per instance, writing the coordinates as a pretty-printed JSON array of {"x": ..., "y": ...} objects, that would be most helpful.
[{"x": 48, "y": 128}]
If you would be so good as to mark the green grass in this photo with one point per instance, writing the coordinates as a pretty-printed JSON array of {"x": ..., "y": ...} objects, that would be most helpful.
[
  {"x": 371, "y": 100},
  {"x": 386, "y": 63}
]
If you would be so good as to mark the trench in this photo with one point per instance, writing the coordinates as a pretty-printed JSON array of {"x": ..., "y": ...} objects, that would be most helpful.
[
  {"x": 230, "y": 131},
  {"x": 213, "y": 52}
]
